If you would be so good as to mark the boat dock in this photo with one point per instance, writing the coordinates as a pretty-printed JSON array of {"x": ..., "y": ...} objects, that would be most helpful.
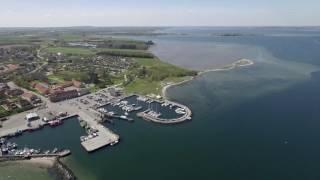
[
  {"x": 126, "y": 118},
  {"x": 186, "y": 116},
  {"x": 59, "y": 154},
  {"x": 103, "y": 137}
]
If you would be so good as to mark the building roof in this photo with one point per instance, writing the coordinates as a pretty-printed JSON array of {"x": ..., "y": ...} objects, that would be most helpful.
[
  {"x": 42, "y": 88},
  {"x": 32, "y": 115},
  {"x": 3, "y": 86},
  {"x": 28, "y": 95}
]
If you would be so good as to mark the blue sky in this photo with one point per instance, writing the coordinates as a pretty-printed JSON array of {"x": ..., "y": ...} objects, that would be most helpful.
[{"x": 40, "y": 13}]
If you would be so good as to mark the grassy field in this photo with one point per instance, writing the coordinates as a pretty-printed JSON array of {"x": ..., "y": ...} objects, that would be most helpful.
[
  {"x": 67, "y": 76},
  {"x": 69, "y": 51},
  {"x": 158, "y": 70},
  {"x": 106, "y": 51},
  {"x": 56, "y": 78},
  {"x": 158, "y": 74},
  {"x": 143, "y": 86}
]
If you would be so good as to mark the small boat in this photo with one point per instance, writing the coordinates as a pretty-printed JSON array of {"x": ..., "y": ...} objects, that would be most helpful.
[
  {"x": 4, "y": 149},
  {"x": 18, "y": 133},
  {"x": 123, "y": 117},
  {"x": 55, "y": 123},
  {"x": 113, "y": 143},
  {"x": 2, "y": 140},
  {"x": 83, "y": 138}
]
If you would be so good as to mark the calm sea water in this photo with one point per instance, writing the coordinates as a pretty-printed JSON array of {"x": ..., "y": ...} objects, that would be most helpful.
[{"x": 257, "y": 122}]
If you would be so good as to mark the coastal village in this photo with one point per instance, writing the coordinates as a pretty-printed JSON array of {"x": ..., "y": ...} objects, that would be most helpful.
[{"x": 43, "y": 86}]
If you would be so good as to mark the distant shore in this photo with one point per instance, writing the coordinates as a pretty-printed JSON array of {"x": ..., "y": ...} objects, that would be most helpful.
[{"x": 239, "y": 63}]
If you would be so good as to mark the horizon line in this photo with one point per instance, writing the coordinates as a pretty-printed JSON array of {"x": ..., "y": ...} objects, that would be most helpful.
[{"x": 163, "y": 26}]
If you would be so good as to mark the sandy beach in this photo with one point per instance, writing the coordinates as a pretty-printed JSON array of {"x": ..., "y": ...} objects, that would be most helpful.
[{"x": 46, "y": 162}]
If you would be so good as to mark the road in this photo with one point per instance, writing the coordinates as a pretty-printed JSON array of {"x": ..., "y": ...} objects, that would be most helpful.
[{"x": 40, "y": 67}]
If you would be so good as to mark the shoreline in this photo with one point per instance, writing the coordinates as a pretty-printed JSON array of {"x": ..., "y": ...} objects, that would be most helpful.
[
  {"x": 238, "y": 63},
  {"x": 43, "y": 162},
  {"x": 51, "y": 164}
]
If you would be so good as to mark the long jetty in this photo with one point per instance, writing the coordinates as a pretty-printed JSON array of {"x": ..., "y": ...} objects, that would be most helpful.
[{"x": 60, "y": 154}]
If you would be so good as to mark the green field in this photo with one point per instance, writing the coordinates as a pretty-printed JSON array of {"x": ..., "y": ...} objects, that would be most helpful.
[
  {"x": 143, "y": 86},
  {"x": 157, "y": 74},
  {"x": 71, "y": 51},
  {"x": 62, "y": 76},
  {"x": 102, "y": 51},
  {"x": 56, "y": 78},
  {"x": 158, "y": 70}
]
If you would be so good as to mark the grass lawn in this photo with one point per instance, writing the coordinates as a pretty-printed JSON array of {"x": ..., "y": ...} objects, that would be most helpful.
[
  {"x": 67, "y": 50},
  {"x": 143, "y": 86},
  {"x": 56, "y": 78},
  {"x": 159, "y": 74},
  {"x": 159, "y": 66}
]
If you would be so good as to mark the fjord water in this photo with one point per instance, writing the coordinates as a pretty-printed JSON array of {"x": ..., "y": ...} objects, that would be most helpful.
[{"x": 255, "y": 122}]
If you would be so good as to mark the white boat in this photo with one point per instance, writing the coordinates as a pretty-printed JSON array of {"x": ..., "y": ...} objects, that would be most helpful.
[
  {"x": 123, "y": 117},
  {"x": 113, "y": 143}
]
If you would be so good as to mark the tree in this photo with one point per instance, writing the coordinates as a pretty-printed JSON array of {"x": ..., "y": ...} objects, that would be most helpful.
[
  {"x": 142, "y": 72},
  {"x": 93, "y": 77},
  {"x": 107, "y": 78}
]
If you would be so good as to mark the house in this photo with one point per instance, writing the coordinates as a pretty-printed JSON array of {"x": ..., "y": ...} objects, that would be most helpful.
[
  {"x": 9, "y": 105},
  {"x": 83, "y": 91},
  {"x": 31, "y": 98},
  {"x": 66, "y": 84},
  {"x": 3, "y": 88},
  {"x": 63, "y": 95},
  {"x": 14, "y": 92},
  {"x": 24, "y": 104},
  {"x": 77, "y": 84},
  {"x": 42, "y": 88}
]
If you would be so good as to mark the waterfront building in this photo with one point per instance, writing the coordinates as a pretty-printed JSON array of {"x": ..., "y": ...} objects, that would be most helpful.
[{"x": 63, "y": 95}]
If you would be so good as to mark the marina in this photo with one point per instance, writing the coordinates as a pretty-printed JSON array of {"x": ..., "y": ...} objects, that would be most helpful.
[
  {"x": 11, "y": 150},
  {"x": 95, "y": 109}
]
